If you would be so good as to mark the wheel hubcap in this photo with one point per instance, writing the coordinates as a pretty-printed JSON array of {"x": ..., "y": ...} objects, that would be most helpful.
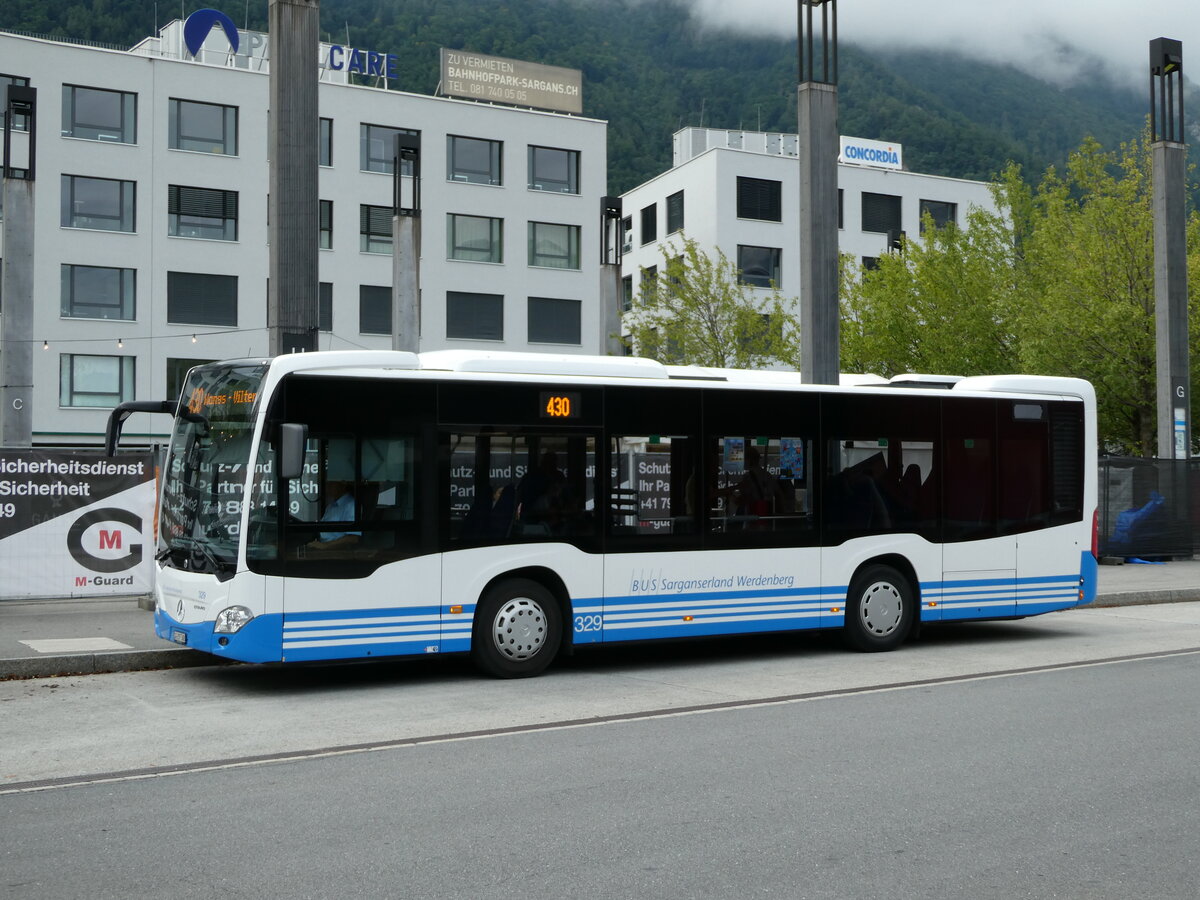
[
  {"x": 881, "y": 609},
  {"x": 520, "y": 628}
]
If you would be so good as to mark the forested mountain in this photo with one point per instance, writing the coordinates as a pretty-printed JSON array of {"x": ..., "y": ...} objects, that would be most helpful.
[{"x": 650, "y": 68}]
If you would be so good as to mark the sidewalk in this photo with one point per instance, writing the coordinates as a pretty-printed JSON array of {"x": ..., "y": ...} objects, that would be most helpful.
[{"x": 41, "y": 638}]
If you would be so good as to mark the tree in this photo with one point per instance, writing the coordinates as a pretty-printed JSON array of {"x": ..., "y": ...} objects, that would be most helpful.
[
  {"x": 1059, "y": 282},
  {"x": 698, "y": 311},
  {"x": 941, "y": 304},
  {"x": 1087, "y": 284}
]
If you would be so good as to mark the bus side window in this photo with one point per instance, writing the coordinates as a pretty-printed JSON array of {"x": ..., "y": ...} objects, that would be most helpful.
[{"x": 649, "y": 483}]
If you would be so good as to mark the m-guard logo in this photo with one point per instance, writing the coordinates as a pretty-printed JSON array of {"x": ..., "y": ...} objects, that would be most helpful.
[
  {"x": 108, "y": 540},
  {"x": 200, "y": 23}
]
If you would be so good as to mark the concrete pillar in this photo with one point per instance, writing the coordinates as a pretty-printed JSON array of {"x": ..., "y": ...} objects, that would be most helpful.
[
  {"x": 406, "y": 282},
  {"x": 293, "y": 208},
  {"x": 16, "y": 341},
  {"x": 1170, "y": 300},
  {"x": 610, "y": 310},
  {"x": 817, "y": 107}
]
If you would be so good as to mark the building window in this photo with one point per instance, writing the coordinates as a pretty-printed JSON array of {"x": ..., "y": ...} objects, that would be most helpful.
[
  {"x": 196, "y": 298},
  {"x": 102, "y": 203},
  {"x": 474, "y": 160},
  {"x": 870, "y": 263},
  {"x": 880, "y": 213},
  {"x": 325, "y": 215},
  {"x": 177, "y": 370},
  {"x": 98, "y": 292},
  {"x": 325, "y": 306},
  {"x": 477, "y": 317},
  {"x": 325, "y": 142},
  {"x": 553, "y": 170},
  {"x": 377, "y": 149},
  {"x": 649, "y": 283},
  {"x": 94, "y": 381},
  {"x": 940, "y": 211},
  {"x": 554, "y": 321},
  {"x": 841, "y": 209},
  {"x": 758, "y": 266},
  {"x": 374, "y": 309},
  {"x": 675, "y": 212},
  {"x": 650, "y": 223},
  {"x": 627, "y": 293},
  {"x": 203, "y": 127},
  {"x": 375, "y": 230},
  {"x": 209, "y": 213},
  {"x": 95, "y": 114},
  {"x": 760, "y": 198},
  {"x": 627, "y": 234},
  {"x": 20, "y": 121},
  {"x": 474, "y": 238},
  {"x": 553, "y": 246}
]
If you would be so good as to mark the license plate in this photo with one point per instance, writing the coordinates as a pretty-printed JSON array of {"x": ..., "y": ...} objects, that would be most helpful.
[{"x": 179, "y": 637}]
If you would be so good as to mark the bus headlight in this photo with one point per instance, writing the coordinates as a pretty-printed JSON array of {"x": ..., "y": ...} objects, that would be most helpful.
[{"x": 231, "y": 620}]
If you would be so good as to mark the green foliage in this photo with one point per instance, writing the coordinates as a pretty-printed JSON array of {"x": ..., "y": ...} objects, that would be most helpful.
[
  {"x": 1087, "y": 285},
  {"x": 941, "y": 305},
  {"x": 696, "y": 312},
  {"x": 1061, "y": 282}
]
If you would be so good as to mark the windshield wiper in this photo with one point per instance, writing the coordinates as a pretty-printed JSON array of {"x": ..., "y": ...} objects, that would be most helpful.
[{"x": 198, "y": 550}]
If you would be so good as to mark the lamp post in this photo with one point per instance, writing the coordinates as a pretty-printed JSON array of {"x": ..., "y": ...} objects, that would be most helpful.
[
  {"x": 817, "y": 109},
  {"x": 293, "y": 216},
  {"x": 1168, "y": 154},
  {"x": 610, "y": 276},
  {"x": 16, "y": 325},
  {"x": 406, "y": 244}
]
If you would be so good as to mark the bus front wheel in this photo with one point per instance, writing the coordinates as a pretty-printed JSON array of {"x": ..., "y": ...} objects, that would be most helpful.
[
  {"x": 518, "y": 629},
  {"x": 879, "y": 609}
]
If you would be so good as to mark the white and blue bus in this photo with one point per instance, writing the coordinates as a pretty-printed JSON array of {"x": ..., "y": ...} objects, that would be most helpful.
[{"x": 352, "y": 505}]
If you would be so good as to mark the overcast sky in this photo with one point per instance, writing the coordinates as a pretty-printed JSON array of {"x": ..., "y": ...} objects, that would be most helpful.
[{"x": 1027, "y": 33}]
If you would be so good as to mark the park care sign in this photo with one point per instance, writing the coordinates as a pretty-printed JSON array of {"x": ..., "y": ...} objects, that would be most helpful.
[{"x": 76, "y": 523}]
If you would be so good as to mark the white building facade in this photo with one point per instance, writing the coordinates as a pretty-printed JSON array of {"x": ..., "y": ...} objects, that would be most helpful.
[
  {"x": 739, "y": 192},
  {"x": 150, "y": 221}
]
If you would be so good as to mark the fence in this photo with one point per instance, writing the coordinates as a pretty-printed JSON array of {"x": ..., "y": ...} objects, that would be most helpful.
[{"x": 1149, "y": 508}]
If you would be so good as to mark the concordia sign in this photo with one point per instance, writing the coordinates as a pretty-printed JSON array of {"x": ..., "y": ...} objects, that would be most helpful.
[
  {"x": 475, "y": 76},
  {"x": 870, "y": 153}
]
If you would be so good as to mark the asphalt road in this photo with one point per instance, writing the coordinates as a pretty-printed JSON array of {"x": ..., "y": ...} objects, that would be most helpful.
[{"x": 1052, "y": 757}]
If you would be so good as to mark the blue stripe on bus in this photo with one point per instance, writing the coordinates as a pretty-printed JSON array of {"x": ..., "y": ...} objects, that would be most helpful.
[{"x": 375, "y": 612}]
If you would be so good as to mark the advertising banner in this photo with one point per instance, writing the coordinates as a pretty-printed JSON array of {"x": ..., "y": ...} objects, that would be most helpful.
[
  {"x": 76, "y": 523},
  {"x": 477, "y": 76}
]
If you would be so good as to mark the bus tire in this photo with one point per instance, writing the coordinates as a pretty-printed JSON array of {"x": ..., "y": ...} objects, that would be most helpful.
[
  {"x": 879, "y": 609},
  {"x": 517, "y": 629}
]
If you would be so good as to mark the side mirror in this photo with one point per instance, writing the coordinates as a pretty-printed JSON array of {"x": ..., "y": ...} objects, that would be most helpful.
[{"x": 292, "y": 439}]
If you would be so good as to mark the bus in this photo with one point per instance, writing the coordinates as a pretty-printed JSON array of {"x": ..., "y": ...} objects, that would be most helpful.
[{"x": 513, "y": 506}]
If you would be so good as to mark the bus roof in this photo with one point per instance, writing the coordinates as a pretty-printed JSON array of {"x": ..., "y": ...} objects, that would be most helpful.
[{"x": 572, "y": 365}]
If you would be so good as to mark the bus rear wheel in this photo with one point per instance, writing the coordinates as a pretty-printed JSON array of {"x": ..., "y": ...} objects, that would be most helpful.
[
  {"x": 517, "y": 630},
  {"x": 879, "y": 609}
]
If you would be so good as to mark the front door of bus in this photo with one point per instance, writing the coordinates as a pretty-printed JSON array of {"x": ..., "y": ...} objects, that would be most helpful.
[{"x": 356, "y": 583}]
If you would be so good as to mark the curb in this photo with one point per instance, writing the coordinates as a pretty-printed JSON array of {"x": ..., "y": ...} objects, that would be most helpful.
[
  {"x": 104, "y": 663},
  {"x": 1144, "y": 598}
]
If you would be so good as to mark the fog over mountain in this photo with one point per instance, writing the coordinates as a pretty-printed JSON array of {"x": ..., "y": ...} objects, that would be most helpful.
[{"x": 1062, "y": 40}]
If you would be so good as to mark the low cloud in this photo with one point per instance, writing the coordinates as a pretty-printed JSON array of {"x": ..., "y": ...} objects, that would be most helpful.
[{"x": 1057, "y": 41}]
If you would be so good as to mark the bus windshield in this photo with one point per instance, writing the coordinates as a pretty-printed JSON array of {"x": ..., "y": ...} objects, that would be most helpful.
[{"x": 205, "y": 472}]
